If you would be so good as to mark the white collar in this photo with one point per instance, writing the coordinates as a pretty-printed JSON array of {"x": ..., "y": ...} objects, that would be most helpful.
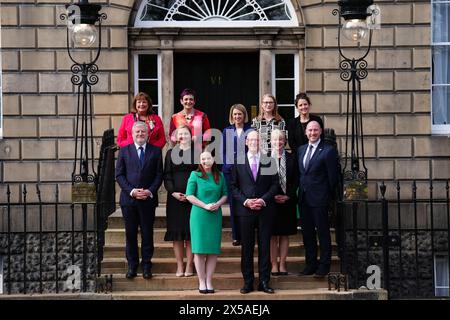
[
  {"x": 138, "y": 146},
  {"x": 315, "y": 144}
]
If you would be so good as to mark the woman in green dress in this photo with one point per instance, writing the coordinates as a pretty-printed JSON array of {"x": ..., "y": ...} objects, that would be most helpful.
[{"x": 207, "y": 191}]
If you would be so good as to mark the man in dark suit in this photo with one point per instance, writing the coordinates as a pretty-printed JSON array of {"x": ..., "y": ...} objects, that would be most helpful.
[
  {"x": 318, "y": 166},
  {"x": 254, "y": 183},
  {"x": 139, "y": 173}
]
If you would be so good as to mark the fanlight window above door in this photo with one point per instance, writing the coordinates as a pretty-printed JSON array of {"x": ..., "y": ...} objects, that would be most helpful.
[{"x": 216, "y": 13}]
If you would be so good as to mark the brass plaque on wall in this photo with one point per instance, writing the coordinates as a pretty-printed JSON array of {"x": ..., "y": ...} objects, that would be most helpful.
[
  {"x": 355, "y": 190},
  {"x": 84, "y": 192}
]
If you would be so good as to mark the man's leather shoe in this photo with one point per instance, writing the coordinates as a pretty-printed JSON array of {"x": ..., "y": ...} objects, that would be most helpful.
[
  {"x": 263, "y": 286},
  {"x": 131, "y": 273},
  {"x": 236, "y": 243},
  {"x": 309, "y": 270},
  {"x": 322, "y": 272},
  {"x": 147, "y": 274},
  {"x": 247, "y": 289}
]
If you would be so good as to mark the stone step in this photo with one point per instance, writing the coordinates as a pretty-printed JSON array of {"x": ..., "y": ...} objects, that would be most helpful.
[
  {"x": 224, "y": 265},
  {"x": 117, "y": 236},
  {"x": 294, "y": 294},
  {"x": 232, "y": 281},
  {"x": 165, "y": 250}
]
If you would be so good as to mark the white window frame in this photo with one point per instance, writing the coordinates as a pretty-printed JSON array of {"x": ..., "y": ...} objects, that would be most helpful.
[
  {"x": 437, "y": 129},
  {"x": 159, "y": 75},
  {"x": 445, "y": 257},
  {"x": 293, "y": 22},
  {"x": 296, "y": 78}
]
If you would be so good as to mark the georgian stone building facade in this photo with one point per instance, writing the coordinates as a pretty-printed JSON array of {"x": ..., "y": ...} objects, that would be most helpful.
[{"x": 39, "y": 104}]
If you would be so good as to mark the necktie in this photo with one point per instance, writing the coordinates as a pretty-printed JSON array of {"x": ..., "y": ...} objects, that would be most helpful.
[
  {"x": 141, "y": 156},
  {"x": 308, "y": 156},
  {"x": 254, "y": 168},
  {"x": 282, "y": 172}
]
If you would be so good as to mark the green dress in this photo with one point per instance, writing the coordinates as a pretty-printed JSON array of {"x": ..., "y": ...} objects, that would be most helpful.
[{"x": 206, "y": 226}]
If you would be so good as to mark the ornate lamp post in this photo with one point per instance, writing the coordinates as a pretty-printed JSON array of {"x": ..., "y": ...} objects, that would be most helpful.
[
  {"x": 353, "y": 25},
  {"x": 82, "y": 33}
]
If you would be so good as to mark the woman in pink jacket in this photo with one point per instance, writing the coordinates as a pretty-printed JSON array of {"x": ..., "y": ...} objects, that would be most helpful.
[{"x": 141, "y": 110}]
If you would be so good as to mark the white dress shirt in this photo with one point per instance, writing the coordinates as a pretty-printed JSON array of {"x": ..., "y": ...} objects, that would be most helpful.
[
  {"x": 139, "y": 155},
  {"x": 315, "y": 145}
]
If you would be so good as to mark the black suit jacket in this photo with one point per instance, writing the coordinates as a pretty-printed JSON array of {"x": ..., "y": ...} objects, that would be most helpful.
[
  {"x": 130, "y": 175},
  {"x": 318, "y": 182},
  {"x": 244, "y": 187}
]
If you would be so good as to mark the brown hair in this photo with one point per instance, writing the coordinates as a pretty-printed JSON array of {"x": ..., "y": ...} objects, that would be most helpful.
[
  {"x": 214, "y": 170},
  {"x": 302, "y": 95},
  {"x": 276, "y": 115},
  {"x": 141, "y": 96},
  {"x": 239, "y": 107}
]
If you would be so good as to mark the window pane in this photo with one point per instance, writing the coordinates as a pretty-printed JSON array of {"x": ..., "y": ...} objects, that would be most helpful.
[
  {"x": 151, "y": 88},
  {"x": 284, "y": 66},
  {"x": 287, "y": 113},
  {"x": 441, "y": 271},
  {"x": 148, "y": 66},
  {"x": 441, "y": 107},
  {"x": 285, "y": 91},
  {"x": 441, "y": 22},
  {"x": 441, "y": 56}
]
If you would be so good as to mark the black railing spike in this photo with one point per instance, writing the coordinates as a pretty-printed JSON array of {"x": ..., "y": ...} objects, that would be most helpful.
[
  {"x": 25, "y": 190},
  {"x": 57, "y": 193},
  {"x": 38, "y": 192},
  {"x": 383, "y": 190},
  {"x": 398, "y": 186},
  {"x": 8, "y": 193}
]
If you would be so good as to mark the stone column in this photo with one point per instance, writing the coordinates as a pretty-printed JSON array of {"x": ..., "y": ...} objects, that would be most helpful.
[
  {"x": 265, "y": 72},
  {"x": 167, "y": 103}
]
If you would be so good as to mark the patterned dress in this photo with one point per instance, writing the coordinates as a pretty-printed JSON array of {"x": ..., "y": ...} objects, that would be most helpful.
[
  {"x": 265, "y": 129},
  {"x": 198, "y": 123}
]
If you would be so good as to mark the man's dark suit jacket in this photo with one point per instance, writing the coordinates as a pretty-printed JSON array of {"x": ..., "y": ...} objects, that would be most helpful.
[
  {"x": 317, "y": 183},
  {"x": 130, "y": 175},
  {"x": 244, "y": 187}
]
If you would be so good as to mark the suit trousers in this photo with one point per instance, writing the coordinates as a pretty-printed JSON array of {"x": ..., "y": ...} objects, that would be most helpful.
[
  {"x": 313, "y": 218},
  {"x": 143, "y": 217},
  {"x": 247, "y": 226}
]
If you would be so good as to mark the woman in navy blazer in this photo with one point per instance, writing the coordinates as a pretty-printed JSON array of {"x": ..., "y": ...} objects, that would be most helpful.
[{"x": 233, "y": 143}]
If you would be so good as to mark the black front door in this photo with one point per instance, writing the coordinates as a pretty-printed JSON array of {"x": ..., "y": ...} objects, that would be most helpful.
[{"x": 220, "y": 80}]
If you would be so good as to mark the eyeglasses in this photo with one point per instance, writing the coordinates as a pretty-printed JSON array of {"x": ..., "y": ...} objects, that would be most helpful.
[{"x": 268, "y": 102}]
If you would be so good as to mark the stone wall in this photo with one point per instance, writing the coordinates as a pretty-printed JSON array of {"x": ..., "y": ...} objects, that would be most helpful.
[
  {"x": 70, "y": 253},
  {"x": 407, "y": 279}
]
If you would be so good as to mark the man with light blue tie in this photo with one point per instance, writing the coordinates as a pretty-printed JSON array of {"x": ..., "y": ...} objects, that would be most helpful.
[
  {"x": 139, "y": 172},
  {"x": 318, "y": 166},
  {"x": 254, "y": 184}
]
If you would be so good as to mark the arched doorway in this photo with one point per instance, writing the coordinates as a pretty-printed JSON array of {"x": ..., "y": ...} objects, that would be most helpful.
[{"x": 229, "y": 51}]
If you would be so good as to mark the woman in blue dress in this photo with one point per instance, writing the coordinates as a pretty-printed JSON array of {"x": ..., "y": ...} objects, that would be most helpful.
[
  {"x": 233, "y": 145},
  {"x": 206, "y": 190}
]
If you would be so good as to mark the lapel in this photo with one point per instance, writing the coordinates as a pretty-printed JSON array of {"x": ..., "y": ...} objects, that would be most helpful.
[
  {"x": 302, "y": 155},
  {"x": 133, "y": 154},
  {"x": 146, "y": 155},
  {"x": 249, "y": 170}
]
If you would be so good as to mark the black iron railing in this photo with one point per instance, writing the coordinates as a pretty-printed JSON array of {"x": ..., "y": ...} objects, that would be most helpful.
[
  {"x": 56, "y": 246},
  {"x": 401, "y": 234}
]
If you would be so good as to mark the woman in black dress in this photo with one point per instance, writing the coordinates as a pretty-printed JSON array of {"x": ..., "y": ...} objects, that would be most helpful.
[
  {"x": 285, "y": 223},
  {"x": 296, "y": 127},
  {"x": 178, "y": 165}
]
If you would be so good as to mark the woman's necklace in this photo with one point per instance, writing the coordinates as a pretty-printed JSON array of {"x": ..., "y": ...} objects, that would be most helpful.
[{"x": 189, "y": 116}]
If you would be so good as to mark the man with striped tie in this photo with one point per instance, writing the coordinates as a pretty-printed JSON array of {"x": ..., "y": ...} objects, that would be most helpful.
[{"x": 139, "y": 172}]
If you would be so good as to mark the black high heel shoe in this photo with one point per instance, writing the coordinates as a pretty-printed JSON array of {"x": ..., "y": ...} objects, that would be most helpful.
[{"x": 203, "y": 291}]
